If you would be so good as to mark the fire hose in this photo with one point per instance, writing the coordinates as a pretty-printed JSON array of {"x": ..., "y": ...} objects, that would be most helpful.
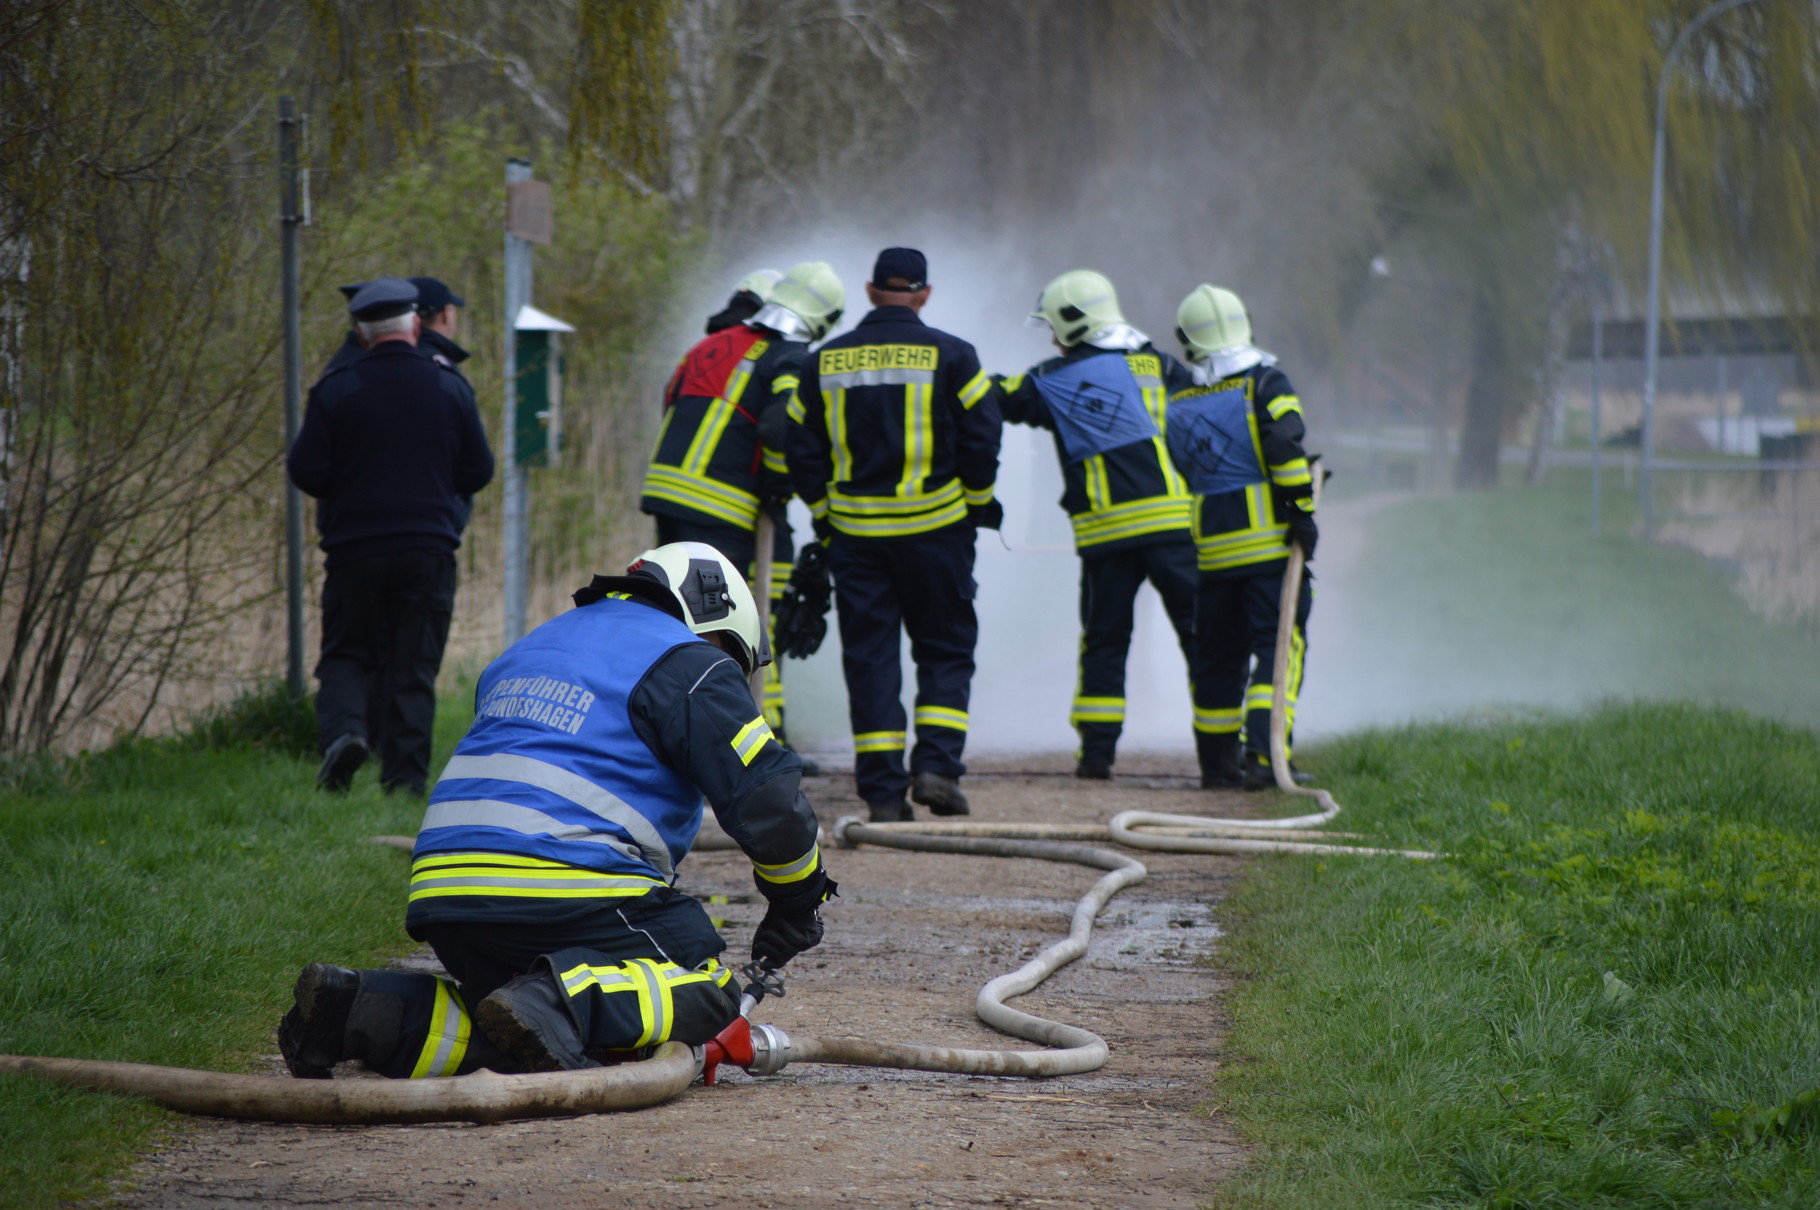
[{"x": 765, "y": 1049}]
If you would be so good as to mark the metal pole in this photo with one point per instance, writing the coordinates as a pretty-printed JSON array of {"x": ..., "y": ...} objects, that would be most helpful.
[
  {"x": 764, "y": 536},
  {"x": 1724, "y": 390},
  {"x": 517, "y": 513},
  {"x": 289, "y": 223},
  {"x": 1598, "y": 356},
  {"x": 1652, "y": 331}
]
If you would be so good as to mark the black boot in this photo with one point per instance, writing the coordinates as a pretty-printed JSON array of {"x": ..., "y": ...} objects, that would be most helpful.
[
  {"x": 1219, "y": 757},
  {"x": 942, "y": 795},
  {"x": 311, "y": 1035},
  {"x": 1258, "y": 773},
  {"x": 529, "y": 1021},
  {"x": 895, "y": 811},
  {"x": 340, "y": 761},
  {"x": 1093, "y": 767}
]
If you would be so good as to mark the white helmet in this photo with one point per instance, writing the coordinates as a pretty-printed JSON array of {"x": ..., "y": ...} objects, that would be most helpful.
[
  {"x": 759, "y": 282},
  {"x": 1078, "y": 305},
  {"x": 712, "y": 593}
]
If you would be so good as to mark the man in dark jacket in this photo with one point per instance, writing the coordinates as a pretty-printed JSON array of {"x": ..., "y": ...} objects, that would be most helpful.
[
  {"x": 545, "y": 868},
  {"x": 390, "y": 444},
  {"x": 893, "y": 444}
]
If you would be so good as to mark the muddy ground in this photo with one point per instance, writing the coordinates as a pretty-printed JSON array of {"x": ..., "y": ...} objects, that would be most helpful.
[{"x": 908, "y": 945}]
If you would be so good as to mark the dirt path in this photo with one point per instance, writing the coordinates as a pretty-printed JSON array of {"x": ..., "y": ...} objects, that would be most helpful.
[{"x": 913, "y": 938}]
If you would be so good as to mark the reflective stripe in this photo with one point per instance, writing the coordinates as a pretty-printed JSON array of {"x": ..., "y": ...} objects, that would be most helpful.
[
  {"x": 447, "y": 1043},
  {"x": 774, "y": 462},
  {"x": 790, "y": 871},
  {"x": 878, "y": 741},
  {"x": 606, "y": 978},
  {"x": 796, "y": 411},
  {"x": 751, "y": 738},
  {"x": 879, "y": 378},
  {"x": 1152, "y": 514},
  {"x": 1260, "y": 697},
  {"x": 1224, "y": 721},
  {"x": 919, "y": 442},
  {"x": 528, "y": 821},
  {"x": 975, "y": 390},
  {"x": 941, "y": 716},
  {"x": 1097, "y": 710},
  {"x": 1282, "y": 405},
  {"x": 898, "y": 505},
  {"x": 818, "y": 508},
  {"x": 837, "y": 435},
  {"x": 784, "y": 382},
  {"x": 445, "y": 874},
  {"x": 719, "y": 500},
  {"x": 577, "y": 789},
  {"x": 977, "y": 499},
  {"x": 1294, "y": 473},
  {"x": 1011, "y": 384},
  {"x": 701, "y": 447},
  {"x": 1099, "y": 491},
  {"x": 860, "y": 527},
  {"x": 653, "y": 1002}
]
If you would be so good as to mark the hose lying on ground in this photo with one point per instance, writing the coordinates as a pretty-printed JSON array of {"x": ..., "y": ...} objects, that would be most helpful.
[{"x": 480, "y": 1097}]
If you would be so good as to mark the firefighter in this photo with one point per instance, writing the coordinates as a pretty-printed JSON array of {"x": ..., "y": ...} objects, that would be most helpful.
[
  {"x": 893, "y": 444},
  {"x": 719, "y": 456},
  {"x": 543, "y": 874},
  {"x": 1104, "y": 400},
  {"x": 749, "y": 294},
  {"x": 1236, "y": 436}
]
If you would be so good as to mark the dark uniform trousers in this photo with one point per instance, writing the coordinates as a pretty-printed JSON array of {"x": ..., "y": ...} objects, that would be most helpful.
[
  {"x": 1235, "y": 622},
  {"x": 634, "y": 972},
  {"x": 385, "y": 621},
  {"x": 884, "y": 587},
  {"x": 1109, "y": 585},
  {"x": 741, "y": 548}
]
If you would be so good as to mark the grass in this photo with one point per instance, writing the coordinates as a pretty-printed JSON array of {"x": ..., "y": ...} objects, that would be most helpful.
[
  {"x": 1606, "y": 996},
  {"x": 158, "y": 900}
]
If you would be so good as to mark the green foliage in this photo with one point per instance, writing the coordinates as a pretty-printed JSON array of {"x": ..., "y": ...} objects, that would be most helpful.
[
  {"x": 158, "y": 905},
  {"x": 1587, "y": 1003},
  {"x": 263, "y": 718}
]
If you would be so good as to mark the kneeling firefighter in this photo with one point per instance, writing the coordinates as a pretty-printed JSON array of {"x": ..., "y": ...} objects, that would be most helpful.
[
  {"x": 1236, "y": 436},
  {"x": 543, "y": 873}
]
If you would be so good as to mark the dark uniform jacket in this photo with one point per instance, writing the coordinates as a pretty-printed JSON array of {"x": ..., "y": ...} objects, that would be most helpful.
[
  {"x": 895, "y": 430},
  {"x": 1241, "y": 527},
  {"x": 390, "y": 444},
  {"x": 596, "y": 738},
  {"x": 1118, "y": 486},
  {"x": 712, "y": 463}
]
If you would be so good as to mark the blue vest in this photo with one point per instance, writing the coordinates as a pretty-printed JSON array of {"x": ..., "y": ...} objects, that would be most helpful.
[
  {"x": 552, "y": 768},
  {"x": 1097, "y": 404},
  {"x": 1210, "y": 440}
]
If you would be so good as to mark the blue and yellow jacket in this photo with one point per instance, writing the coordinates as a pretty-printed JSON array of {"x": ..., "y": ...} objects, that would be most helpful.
[
  {"x": 1238, "y": 443},
  {"x": 894, "y": 429},
  {"x": 1106, "y": 409},
  {"x": 581, "y": 781},
  {"x": 712, "y": 463}
]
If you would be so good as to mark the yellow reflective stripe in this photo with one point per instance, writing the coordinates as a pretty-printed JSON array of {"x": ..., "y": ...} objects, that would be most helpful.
[
  {"x": 447, "y": 1043},
  {"x": 742, "y": 376},
  {"x": 796, "y": 411},
  {"x": 1011, "y": 384},
  {"x": 837, "y": 435},
  {"x": 919, "y": 438},
  {"x": 509, "y": 860},
  {"x": 1282, "y": 405},
  {"x": 1224, "y": 721},
  {"x": 1097, "y": 710},
  {"x": 818, "y": 508},
  {"x": 1152, "y": 514},
  {"x": 977, "y": 499},
  {"x": 1099, "y": 493},
  {"x": 975, "y": 390},
  {"x": 1260, "y": 697},
  {"x": 1173, "y": 483},
  {"x": 790, "y": 871},
  {"x": 701, "y": 447},
  {"x": 860, "y": 527},
  {"x": 608, "y": 979},
  {"x": 941, "y": 716},
  {"x": 898, "y": 505},
  {"x": 751, "y": 738},
  {"x": 774, "y": 461},
  {"x": 654, "y": 1005},
  {"x": 1293, "y": 473},
  {"x": 785, "y": 382},
  {"x": 702, "y": 494},
  {"x": 878, "y": 741}
]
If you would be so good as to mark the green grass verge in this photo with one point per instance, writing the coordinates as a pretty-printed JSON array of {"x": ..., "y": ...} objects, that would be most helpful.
[
  {"x": 158, "y": 900},
  {"x": 1607, "y": 996}
]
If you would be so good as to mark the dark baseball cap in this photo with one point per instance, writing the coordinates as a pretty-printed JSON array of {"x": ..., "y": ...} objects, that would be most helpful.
[
  {"x": 349, "y": 291},
  {"x": 906, "y": 263},
  {"x": 383, "y": 298},
  {"x": 433, "y": 296}
]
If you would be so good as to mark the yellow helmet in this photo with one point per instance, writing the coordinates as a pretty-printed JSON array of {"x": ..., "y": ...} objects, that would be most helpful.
[
  {"x": 1077, "y": 304},
  {"x": 812, "y": 292},
  {"x": 1210, "y": 321},
  {"x": 759, "y": 282}
]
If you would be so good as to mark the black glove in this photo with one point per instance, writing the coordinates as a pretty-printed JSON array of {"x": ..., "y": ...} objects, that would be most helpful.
[
  {"x": 824, "y": 528},
  {"x": 1302, "y": 532},
  {"x": 802, "y": 612},
  {"x": 782, "y": 935},
  {"x": 989, "y": 515}
]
